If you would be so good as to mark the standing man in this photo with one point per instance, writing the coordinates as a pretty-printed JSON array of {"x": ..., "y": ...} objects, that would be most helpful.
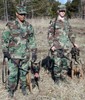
[
  {"x": 17, "y": 41},
  {"x": 60, "y": 38}
]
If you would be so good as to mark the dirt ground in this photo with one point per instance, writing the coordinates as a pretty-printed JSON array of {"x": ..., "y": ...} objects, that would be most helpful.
[{"x": 74, "y": 89}]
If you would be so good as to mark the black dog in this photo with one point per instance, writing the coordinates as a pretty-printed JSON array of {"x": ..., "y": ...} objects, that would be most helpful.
[{"x": 47, "y": 64}]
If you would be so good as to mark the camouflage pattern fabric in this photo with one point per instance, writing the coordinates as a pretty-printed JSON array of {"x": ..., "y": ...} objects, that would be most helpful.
[
  {"x": 21, "y": 9},
  {"x": 15, "y": 73},
  {"x": 19, "y": 40},
  {"x": 59, "y": 35},
  {"x": 62, "y": 7}
]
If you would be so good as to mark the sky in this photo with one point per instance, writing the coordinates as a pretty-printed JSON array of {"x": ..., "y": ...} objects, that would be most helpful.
[{"x": 63, "y": 1}]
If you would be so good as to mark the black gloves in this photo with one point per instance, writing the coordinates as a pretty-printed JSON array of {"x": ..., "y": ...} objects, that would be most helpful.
[
  {"x": 7, "y": 55},
  {"x": 34, "y": 55}
]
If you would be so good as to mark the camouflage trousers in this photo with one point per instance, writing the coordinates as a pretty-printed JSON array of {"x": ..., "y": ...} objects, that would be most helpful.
[
  {"x": 16, "y": 74},
  {"x": 60, "y": 67}
]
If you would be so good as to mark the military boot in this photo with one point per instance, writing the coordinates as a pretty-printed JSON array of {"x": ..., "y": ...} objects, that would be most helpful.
[
  {"x": 10, "y": 94},
  {"x": 63, "y": 79},
  {"x": 24, "y": 92},
  {"x": 57, "y": 80}
]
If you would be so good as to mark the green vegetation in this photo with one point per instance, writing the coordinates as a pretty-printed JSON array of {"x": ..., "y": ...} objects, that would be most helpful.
[
  {"x": 36, "y": 8},
  {"x": 73, "y": 8}
]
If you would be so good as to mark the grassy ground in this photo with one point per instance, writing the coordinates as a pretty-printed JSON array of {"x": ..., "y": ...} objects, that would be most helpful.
[{"x": 74, "y": 89}]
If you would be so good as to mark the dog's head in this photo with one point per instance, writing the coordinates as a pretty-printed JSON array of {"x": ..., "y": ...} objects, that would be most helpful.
[{"x": 35, "y": 67}]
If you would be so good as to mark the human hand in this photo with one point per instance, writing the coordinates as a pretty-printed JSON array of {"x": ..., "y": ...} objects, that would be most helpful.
[
  {"x": 53, "y": 48},
  {"x": 76, "y": 45}
]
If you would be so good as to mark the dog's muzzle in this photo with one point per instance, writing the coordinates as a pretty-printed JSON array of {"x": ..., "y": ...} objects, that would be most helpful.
[{"x": 36, "y": 75}]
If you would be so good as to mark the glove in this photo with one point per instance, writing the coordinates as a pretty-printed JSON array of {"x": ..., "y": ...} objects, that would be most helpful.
[{"x": 7, "y": 55}]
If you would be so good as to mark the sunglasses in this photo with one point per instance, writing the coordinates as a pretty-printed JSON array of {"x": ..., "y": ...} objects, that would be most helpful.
[
  {"x": 62, "y": 11},
  {"x": 22, "y": 14}
]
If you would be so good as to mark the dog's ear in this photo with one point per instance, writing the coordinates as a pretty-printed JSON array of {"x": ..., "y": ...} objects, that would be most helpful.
[
  {"x": 39, "y": 64},
  {"x": 31, "y": 63}
]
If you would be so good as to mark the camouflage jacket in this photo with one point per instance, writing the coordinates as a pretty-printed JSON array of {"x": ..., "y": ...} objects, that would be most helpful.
[
  {"x": 60, "y": 34},
  {"x": 18, "y": 39}
]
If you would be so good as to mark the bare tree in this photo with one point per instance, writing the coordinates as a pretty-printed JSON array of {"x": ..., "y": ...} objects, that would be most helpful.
[{"x": 5, "y": 10}]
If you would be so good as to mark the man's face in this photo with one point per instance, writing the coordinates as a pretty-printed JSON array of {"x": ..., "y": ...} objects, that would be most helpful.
[
  {"x": 62, "y": 13},
  {"x": 21, "y": 17}
]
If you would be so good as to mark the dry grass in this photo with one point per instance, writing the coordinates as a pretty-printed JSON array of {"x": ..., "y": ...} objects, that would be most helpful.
[{"x": 74, "y": 89}]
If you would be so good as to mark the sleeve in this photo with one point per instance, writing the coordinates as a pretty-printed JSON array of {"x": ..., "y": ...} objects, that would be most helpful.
[
  {"x": 32, "y": 43},
  {"x": 71, "y": 34},
  {"x": 50, "y": 34},
  {"x": 5, "y": 39}
]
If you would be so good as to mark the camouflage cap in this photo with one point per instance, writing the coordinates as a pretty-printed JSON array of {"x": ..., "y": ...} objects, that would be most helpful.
[
  {"x": 62, "y": 7},
  {"x": 21, "y": 9}
]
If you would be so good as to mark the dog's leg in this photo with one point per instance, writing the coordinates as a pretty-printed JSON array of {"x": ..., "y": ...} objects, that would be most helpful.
[
  {"x": 72, "y": 74},
  {"x": 37, "y": 85},
  {"x": 72, "y": 71},
  {"x": 80, "y": 70},
  {"x": 81, "y": 73},
  {"x": 28, "y": 77}
]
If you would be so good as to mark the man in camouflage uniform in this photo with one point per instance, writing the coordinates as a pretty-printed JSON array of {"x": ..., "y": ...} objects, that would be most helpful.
[
  {"x": 60, "y": 39},
  {"x": 17, "y": 41}
]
